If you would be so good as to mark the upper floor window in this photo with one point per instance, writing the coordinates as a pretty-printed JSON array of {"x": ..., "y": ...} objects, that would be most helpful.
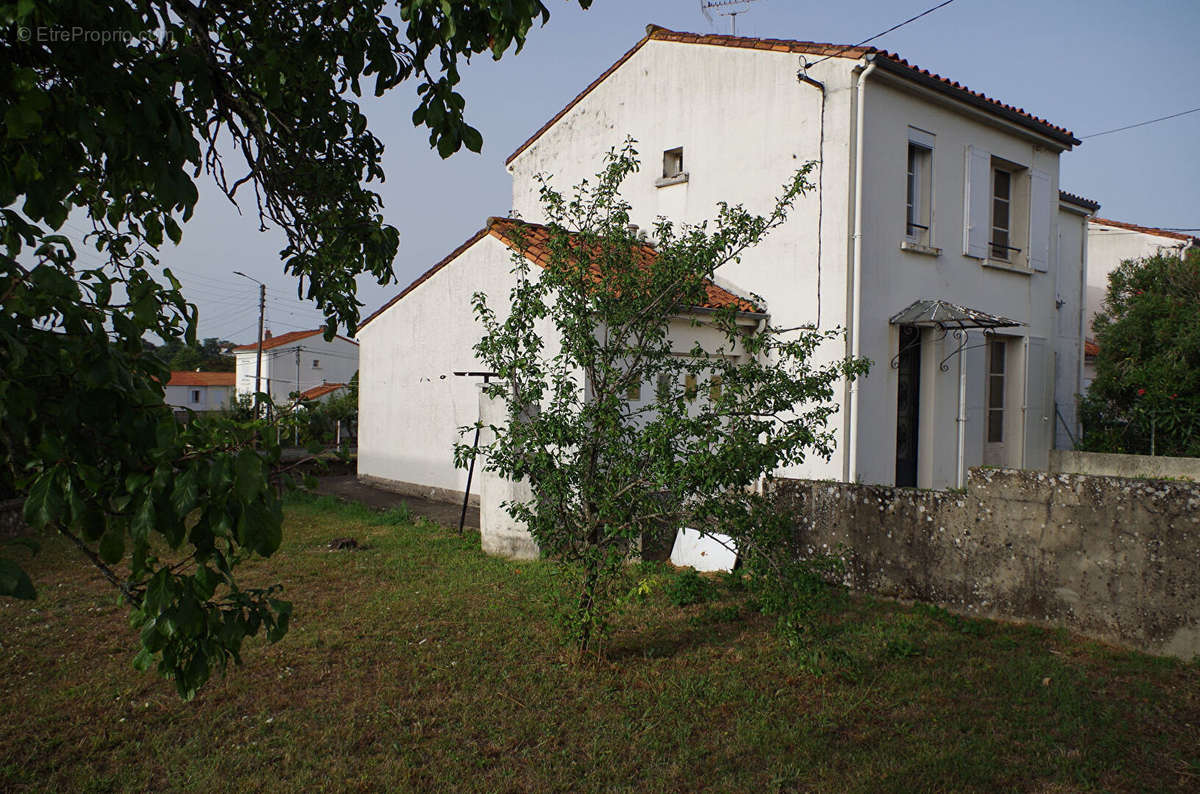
[
  {"x": 1009, "y": 212},
  {"x": 916, "y": 209},
  {"x": 316, "y": 363},
  {"x": 195, "y": 396},
  {"x": 672, "y": 170},
  {"x": 1001, "y": 214},
  {"x": 918, "y": 204}
]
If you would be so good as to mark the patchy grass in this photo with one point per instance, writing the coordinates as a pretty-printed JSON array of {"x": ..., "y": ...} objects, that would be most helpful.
[{"x": 418, "y": 663}]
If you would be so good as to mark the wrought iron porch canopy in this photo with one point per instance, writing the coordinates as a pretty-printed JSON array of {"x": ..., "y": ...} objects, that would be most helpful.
[{"x": 949, "y": 317}]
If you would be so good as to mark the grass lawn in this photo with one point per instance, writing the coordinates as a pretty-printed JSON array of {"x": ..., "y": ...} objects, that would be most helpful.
[{"x": 420, "y": 664}]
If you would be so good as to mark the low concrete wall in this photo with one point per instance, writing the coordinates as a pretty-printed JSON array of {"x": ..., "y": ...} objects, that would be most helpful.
[
  {"x": 1109, "y": 465},
  {"x": 1113, "y": 558}
]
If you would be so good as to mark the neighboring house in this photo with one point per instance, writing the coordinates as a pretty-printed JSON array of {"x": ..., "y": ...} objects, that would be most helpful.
[
  {"x": 936, "y": 234},
  {"x": 322, "y": 393},
  {"x": 200, "y": 391},
  {"x": 1109, "y": 243},
  {"x": 295, "y": 362}
]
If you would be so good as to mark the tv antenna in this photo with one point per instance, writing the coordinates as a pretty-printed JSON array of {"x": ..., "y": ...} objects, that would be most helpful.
[{"x": 726, "y": 8}]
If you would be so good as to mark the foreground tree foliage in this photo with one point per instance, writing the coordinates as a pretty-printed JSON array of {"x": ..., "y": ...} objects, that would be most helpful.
[
  {"x": 111, "y": 110},
  {"x": 621, "y": 433},
  {"x": 1146, "y": 395}
]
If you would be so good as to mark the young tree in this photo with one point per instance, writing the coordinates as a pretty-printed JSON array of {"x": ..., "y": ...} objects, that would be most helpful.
[
  {"x": 1146, "y": 395},
  {"x": 618, "y": 429},
  {"x": 111, "y": 110}
]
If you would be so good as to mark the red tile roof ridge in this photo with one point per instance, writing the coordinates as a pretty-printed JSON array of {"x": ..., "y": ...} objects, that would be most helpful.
[
  {"x": 286, "y": 339},
  {"x": 824, "y": 49},
  {"x": 1133, "y": 227}
]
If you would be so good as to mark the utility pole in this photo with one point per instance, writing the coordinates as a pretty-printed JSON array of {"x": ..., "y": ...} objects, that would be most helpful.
[
  {"x": 262, "y": 310},
  {"x": 295, "y": 411}
]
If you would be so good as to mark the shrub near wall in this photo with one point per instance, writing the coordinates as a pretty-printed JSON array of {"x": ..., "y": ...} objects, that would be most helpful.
[{"x": 1113, "y": 558}]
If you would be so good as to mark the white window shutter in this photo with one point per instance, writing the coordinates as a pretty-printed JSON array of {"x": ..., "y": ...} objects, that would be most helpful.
[
  {"x": 976, "y": 204},
  {"x": 1040, "y": 208}
]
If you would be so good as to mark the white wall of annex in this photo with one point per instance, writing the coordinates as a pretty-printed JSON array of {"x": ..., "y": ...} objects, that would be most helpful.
[{"x": 410, "y": 403}]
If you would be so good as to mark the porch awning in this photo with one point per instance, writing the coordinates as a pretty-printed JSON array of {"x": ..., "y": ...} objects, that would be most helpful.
[{"x": 949, "y": 316}]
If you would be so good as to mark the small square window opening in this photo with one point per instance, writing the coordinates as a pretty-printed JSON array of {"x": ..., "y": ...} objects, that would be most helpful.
[
  {"x": 673, "y": 162},
  {"x": 316, "y": 363}
]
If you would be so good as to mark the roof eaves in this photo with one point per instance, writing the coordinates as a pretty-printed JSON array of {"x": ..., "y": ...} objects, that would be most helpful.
[
  {"x": 579, "y": 97},
  {"x": 1078, "y": 201},
  {"x": 923, "y": 77},
  {"x": 421, "y": 279},
  {"x": 1151, "y": 230}
]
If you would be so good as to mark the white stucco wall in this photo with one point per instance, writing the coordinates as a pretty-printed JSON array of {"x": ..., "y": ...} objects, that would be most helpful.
[
  {"x": 212, "y": 398},
  {"x": 745, "y": 122},
  {"x": 410, "y": 403},
  {"x": 320, "y": 362},
  {"x": 893, "y": 278}
]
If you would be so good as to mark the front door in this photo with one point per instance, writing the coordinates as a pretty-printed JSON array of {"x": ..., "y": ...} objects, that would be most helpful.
[{"x": 908, "y": 392}]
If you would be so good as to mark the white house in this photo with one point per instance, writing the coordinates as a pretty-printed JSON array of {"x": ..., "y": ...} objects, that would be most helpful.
[
  {"x": 200, "y": 391},
  {"x": 296, "y": 362},
  {"x": 1109, "y": 243},
  {"x": 936, "y": 217}
]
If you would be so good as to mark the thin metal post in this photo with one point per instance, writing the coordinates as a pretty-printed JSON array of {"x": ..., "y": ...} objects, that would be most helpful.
[{"x": 462, "y": 518}]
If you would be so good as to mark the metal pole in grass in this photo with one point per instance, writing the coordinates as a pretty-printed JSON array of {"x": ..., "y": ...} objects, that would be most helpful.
[{"x": 462, "y": 518}]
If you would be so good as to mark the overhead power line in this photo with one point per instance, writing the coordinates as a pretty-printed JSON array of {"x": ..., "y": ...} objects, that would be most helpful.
[
  {"x": 884, "y": 33},
  {"x": 1140, "y": 124}
]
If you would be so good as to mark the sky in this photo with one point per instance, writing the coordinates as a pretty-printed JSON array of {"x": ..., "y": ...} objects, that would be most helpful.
[{"x": 1088, "y": 65}]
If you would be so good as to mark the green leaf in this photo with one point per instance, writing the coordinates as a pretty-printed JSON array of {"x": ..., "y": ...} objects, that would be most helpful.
[
  {"x": 14, "y": 582},
  {"x": 143, "y": 520},
  {"x": 112, "y": 545},
  {"x": 44, "y": 505},
  {"x": 248, "y": 475},
  {"x": 472, "y": 139},
  {"x": 186, "y": 492}
]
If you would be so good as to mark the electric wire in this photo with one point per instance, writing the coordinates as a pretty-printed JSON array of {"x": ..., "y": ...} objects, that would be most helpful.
[
  {"x": 1140, "y": 124},
  {"x": 884, "y": 33}
]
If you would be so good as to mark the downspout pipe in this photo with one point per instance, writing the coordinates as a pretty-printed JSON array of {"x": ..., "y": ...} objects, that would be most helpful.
[{"x": 856, "y": 300}]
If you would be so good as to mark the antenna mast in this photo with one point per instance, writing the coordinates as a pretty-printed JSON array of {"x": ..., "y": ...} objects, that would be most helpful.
[{"x": 726, "y": 8}]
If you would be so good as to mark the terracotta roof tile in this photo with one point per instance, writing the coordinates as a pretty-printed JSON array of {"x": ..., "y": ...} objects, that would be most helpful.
[
  {"x": 534, "y": 241},
  {"x": 320, "y": 391},
  {"x": 286, "y": 339},
  {"x": 1090, "y": 348},
  {"x": 890, "y": 60},
  {"x": 1079, "y": 201},
  {"x": 1133, "y": 227},
  {"x": 192, "y": 378}
]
